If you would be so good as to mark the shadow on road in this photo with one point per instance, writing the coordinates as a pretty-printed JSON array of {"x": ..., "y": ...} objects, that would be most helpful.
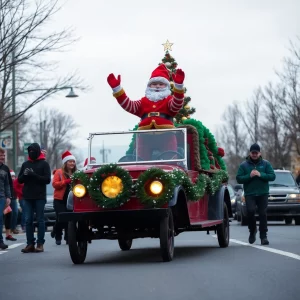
[{"x": 146, "y": 255}]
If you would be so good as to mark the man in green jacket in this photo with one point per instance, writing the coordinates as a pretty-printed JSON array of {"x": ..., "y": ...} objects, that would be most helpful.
[{"x": 255, "y": 173}]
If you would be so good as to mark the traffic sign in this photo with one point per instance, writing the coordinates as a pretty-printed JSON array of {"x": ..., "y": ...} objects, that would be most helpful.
[
  {"x": 26, "y": 145},
  {"x": 6, "y": 139}
]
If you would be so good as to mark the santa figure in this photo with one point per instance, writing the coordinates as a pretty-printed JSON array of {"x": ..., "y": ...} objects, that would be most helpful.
[{"x": 156, "y": 110}]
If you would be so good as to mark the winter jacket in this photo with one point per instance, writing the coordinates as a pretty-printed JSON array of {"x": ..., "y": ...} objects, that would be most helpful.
[
  {"x": 60, "y": 184},
  {"x": 6, "y": 189},
  {"x": 255, "y": 186},
  {"x": 35, "y": 183}
]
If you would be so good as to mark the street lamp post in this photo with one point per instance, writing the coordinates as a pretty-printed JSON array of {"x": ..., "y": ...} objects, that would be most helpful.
[{"x": 15, "y": 141}]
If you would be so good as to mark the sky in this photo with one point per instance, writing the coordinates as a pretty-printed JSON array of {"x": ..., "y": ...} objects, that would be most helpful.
[{"x": 226, "y": 49}]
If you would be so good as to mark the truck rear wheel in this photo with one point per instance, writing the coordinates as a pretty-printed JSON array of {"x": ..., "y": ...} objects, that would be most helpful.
[
  {"x": 166, "y": 236},
  {"x": 77, "y": 243},
  {"x": 223, "y": 231},
  {"x": 125, "y": 244}
]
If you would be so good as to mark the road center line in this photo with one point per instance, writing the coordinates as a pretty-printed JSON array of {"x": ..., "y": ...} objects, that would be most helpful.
[
  {"x": 15, "y": 245},
  {"x": 266, "y": 248}
]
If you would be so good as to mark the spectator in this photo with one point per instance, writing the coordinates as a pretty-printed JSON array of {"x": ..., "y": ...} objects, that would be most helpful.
[
  {"x": 18, "y": 187},
  {"x": 86, "y": 162},
  {"x": 61, "y": 183},
  {"x": 35, "y": 174},
  {"x": 255, "y": 174},
  {"x": 5, "y": 192},
  {"x": 14, "y": 205}
]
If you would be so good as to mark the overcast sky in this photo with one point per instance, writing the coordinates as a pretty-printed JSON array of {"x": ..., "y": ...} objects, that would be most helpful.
[{"x": 226, "y": 48}]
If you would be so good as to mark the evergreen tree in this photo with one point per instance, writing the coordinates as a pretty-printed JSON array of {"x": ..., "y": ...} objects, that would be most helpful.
[{"x": 186, "y": 111}]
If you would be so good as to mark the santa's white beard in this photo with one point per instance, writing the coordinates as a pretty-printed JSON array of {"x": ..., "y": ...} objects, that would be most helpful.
[{"x": 155, "y": 95}]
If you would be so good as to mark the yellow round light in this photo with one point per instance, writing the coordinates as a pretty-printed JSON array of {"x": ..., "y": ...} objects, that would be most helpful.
[
  {"x": 112, "y": 186},
  {"x": 156, "y": 187},
  {"x": 79, "y": 190}
]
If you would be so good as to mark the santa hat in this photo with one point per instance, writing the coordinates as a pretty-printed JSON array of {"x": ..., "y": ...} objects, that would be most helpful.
[
  {"x": 12, "y": 173},
  {"x": 93, "y": 161},
  {"x": 160, "y": 74},
  {"x": 67, "y": 155}
]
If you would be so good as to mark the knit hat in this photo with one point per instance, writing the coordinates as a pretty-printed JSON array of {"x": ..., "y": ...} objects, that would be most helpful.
[
  {"x": 93, "y": 161},
  {"x": 67, "y": 155},
  {"x": 12, "y": 173},
  {"x": 160, "y": 74},
  {"x": 255, "y": 148}
]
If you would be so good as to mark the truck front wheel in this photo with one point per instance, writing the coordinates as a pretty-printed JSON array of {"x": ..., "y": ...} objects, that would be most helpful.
[
  {"x": 77, "y": 242},
  {"x": 223, "y": 230},
  {"x": 166, "y": 236}
]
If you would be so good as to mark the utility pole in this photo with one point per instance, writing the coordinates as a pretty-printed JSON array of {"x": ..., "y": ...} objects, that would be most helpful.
[
  {"x": 104, "y": 152},
  {"x": 15, "y": 139}
]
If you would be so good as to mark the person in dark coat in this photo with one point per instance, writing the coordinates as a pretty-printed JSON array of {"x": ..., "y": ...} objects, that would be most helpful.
[
  {"x": 35, "y": 174},
  {"x": 255, "y": 173}
]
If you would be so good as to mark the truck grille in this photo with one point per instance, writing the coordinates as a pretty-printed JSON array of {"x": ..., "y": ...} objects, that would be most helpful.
[{"x": 277, "y": 198}]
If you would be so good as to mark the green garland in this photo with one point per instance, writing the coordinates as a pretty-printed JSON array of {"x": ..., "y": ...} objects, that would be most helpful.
[
  {"x": 164, "y": 178},
  {"x": 194, "y": 191},
  {"x": 216, "y": 181},
  {"x": 81, "y": 177},
  {"x": 94, "y": 187},
  {"x": 170, "y": 180}
]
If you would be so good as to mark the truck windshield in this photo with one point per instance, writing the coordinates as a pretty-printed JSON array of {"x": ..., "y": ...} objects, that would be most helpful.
[
  {"x": 283, "y": 179},
  {"x": 143, "y": 146}
]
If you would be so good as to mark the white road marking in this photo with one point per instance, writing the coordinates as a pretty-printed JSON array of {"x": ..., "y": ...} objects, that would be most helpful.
[
  {"x": 266, "y": 248},
  {"x": 2, "y": 252},
  {"x": 15, "y": 245}
]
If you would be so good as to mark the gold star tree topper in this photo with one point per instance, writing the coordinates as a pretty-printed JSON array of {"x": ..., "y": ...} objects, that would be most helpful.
[{"x": 168, "y": 46}]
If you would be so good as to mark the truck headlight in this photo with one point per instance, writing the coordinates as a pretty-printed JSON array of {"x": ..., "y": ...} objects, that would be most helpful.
[
  {"x": 293, "y": 198},
  {"x": 112, "y": 186},
  {"x": 79, "y": 190},
  {"x": 156, "y": 187}
]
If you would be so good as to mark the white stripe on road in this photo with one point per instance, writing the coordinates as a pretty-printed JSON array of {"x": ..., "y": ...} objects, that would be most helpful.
[
  {"x": 15, "y": 245},
  {"x": 2, "y": 252},
  {"x": 273, "y": 250}
]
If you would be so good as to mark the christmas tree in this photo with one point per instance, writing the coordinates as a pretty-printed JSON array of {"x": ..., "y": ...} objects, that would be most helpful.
[{"x": 171, "y": 64}]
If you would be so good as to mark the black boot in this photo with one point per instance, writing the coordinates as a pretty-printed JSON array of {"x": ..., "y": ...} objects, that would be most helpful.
[
  {"x": 265, "y": 241},
  {"x": 252, "y": 237}
]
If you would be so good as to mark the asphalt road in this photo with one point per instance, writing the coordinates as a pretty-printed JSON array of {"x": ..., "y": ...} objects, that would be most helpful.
[{"x": 200, "y": 269}]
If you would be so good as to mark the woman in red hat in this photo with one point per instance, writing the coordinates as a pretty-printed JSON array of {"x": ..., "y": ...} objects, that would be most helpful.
[{"x": 61, "y": 183}]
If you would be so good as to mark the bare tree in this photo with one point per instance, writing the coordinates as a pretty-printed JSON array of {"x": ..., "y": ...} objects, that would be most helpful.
[
  {"x": 23, "y": 48},
  {"x": 233, "y": 138},
  {"x": 289, "y": 95},
  {"x": 251, "y": 116},
  {"x": 275, "y": 139},
  {"x": 55, "y": 131}
]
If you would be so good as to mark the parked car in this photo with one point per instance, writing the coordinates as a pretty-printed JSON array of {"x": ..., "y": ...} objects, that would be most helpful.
[
  {"x": 233, "y": 197},
  {"x": 284, "y": 200},
  {"x": 50, "y": 216}
]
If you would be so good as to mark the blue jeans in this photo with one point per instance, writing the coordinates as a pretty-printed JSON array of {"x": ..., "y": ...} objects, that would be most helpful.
[
  {"x": 15, "y": 211},
  {"x": 38, "y": 207},
  {"x": 2, "y": 205}
]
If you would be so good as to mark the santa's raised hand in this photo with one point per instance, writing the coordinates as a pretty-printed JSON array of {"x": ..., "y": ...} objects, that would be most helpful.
[
  {"x": 113, "y": 81},
  {"x": 178, "y": 77}
]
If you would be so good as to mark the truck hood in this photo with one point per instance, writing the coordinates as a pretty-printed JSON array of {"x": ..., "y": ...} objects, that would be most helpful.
[{"x": 278, "y": 190}]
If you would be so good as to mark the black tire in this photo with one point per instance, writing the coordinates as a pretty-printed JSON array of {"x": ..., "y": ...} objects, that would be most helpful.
[
  {"x": 125, "y": 245},
  {"x": 77, "y": 243},
  {"x": 244, "y": 220},
  {"x": 297, "y": 220},
  {"x": 288, "y": 220},
  {"x": 223, "y": 231},
  {"x": 166, "y": 236}
]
